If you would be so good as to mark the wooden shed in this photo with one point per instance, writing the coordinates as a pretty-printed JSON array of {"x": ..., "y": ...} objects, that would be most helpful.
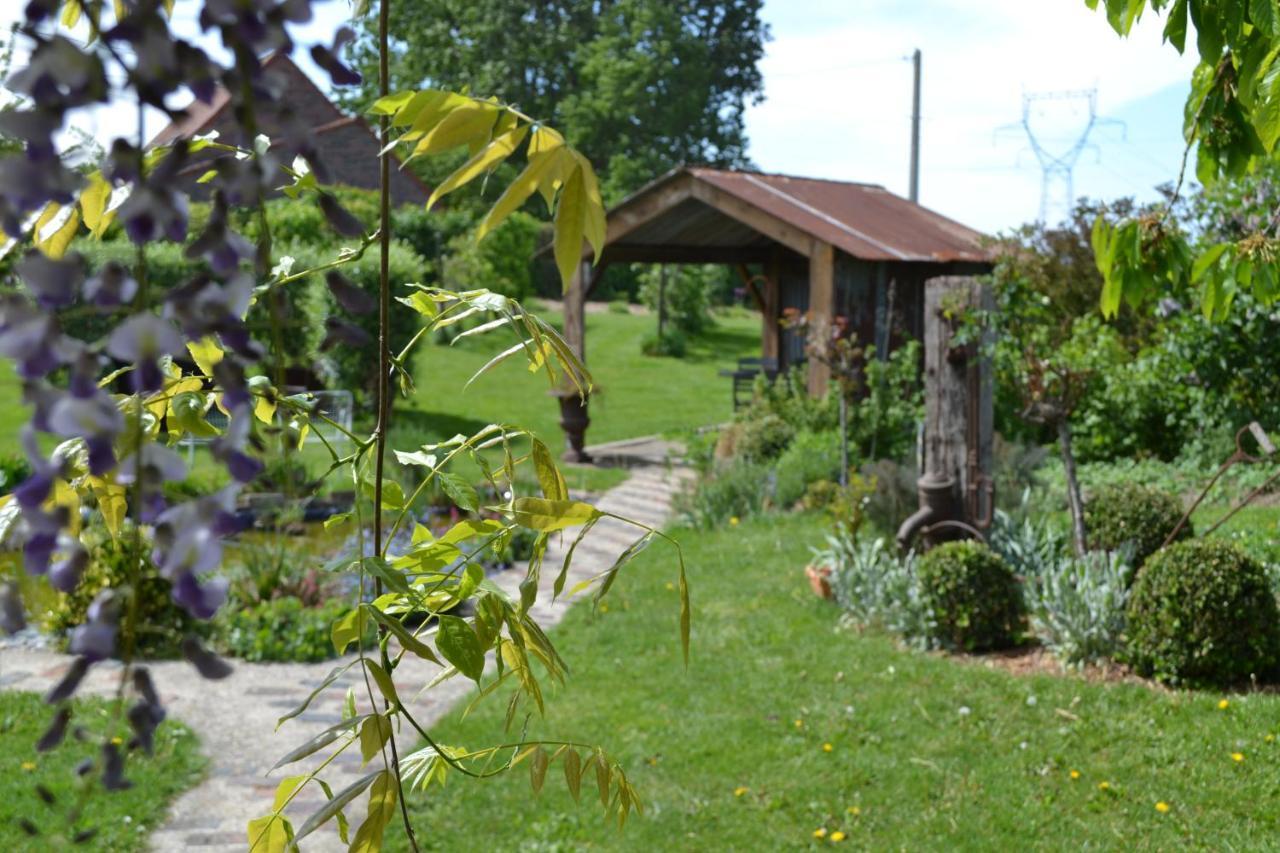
[{"x": 828, "y": 248}]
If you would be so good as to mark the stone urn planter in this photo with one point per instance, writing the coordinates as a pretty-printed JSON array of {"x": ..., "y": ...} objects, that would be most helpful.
[
  {"x": 820, "y": 580},
  {"x": 574, "y": 420}
]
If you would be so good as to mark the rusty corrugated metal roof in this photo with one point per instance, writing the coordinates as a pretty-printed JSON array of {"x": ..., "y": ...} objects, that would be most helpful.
[{"x": 864, "y": 220}]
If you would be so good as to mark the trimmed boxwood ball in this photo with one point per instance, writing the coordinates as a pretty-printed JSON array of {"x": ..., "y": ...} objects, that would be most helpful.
[
  {"x": 1202, "y": 612},
  {"x": 972, "y": 595},
  {"x": 1128, "y": 512}
]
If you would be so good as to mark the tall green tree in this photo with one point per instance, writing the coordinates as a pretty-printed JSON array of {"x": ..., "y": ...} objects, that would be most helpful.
[{"x": 639, "y": 85}]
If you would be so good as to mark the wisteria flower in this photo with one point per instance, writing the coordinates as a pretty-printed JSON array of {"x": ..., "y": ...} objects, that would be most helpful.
[{"x": 142, "y": 340}]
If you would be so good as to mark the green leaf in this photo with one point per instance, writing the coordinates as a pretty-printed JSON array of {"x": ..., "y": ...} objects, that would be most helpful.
[
  {"x": 382, "y": 570},
  {"x": 385, "y": 685},
  {"x": 460, "y": 647},
  {"x": 459, "y": 491},
  {"x": 317, "y": 742},
  {"x": 334, "y": 675},
  {"x": 346, "y": 629},
  {"x": 558, "y": 586},
  {"x": 1208, "y": 259},
  {"x": 547, "y": 515},
  {"x": 374, "y": 733},
  {"x": 1175, "y": 28},
  {"x": 1265, "y": 15},
  {"x": 382, "y": 808},
  {"x": 407, "y": 640},
  {"x": 335, "y": 805}
]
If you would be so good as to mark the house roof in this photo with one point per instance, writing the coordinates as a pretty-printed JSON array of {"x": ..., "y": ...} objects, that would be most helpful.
[
  {"x": 713, "y": 212},
  {"x": 333, "y": 129}
]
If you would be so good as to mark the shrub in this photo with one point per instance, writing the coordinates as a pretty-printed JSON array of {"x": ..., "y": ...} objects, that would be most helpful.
[
  {"x": 811, "y": 457},
  {"x": 671, "y": 342},
  {"x": 1127, "y": 512},
  {"x": 619, "y": 306},
  {"x": 737, "y": 490},
  {"x": 280, "y": 629},
  {"x": 1078, "y": 604},
  {"x": 972, "y": 595},
  {"x": 14, "y": 469},
  {"x": 161, "y": 623},
  {"x": 690, "y": 292},
  {"x": 762, "y": 438},
  {"x": 875, "y": 587},
  {"x": 1203, "y": 612}
]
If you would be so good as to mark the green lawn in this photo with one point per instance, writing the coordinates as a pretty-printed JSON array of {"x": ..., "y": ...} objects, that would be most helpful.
[
  {"x": 927, "y": 752},
  {"x": 640, "y": 395},
  {"x": 122, "y": 819}
]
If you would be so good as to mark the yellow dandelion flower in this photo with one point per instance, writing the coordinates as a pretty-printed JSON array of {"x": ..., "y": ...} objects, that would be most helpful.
[
  {"x": 604, "y": 607},
  {"x": 820, "y": 832},
  {"x": 670, "y": 586},
  {"x": 28, "y": 766},
  {"x": 1223, "y": 704},
  {"x": 826, "y": 747},
  {"x": 837, "y": 836},
  {"x": 1237, "y": 756},
  {"x": 1075, "y": 774},
  {"x": 1104, "y": 786},
  {"x": 740, "y": 790},
  {"x": 854, "y": 810},
  {"x": 117, "y": 740},
  {"x": 733, "y": 521},
  {"x": 799, "y": 723},
  {"x": 1162, "y": 807}
]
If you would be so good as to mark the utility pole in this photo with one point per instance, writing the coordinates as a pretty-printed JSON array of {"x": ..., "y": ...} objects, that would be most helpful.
[{"x": 914, "y": 193}]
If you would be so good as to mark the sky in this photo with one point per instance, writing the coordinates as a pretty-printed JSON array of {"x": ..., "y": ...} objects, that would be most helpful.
[{"x": 838, "y": 99}]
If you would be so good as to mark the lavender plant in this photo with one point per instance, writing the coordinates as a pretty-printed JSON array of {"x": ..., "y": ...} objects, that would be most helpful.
[{"x": 113, "y": 408}]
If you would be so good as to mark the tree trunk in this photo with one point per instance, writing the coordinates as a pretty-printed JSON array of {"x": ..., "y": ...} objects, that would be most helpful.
[{"x": 1076, "y": 503}]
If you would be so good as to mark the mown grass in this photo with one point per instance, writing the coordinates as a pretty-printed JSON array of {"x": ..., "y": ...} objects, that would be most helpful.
[
  {"x": 927, "y": 752},
  {"x": 122, "y": 819},
  {"x": 638, "y": 395}
]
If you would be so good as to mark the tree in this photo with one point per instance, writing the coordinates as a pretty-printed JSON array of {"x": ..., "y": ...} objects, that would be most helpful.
[
  {"x": 639, "y": 85},
  {"x": 1232, "y": 123}
]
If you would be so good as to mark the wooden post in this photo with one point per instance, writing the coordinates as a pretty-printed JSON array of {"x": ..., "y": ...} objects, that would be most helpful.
[
  {"x": 662, "y": 302},
  {"x": 822, "y": 300},
  {"x": 575, "y": 297},
  {"x": 958, "y": 395},
  {"x": 769, "y": 310}
]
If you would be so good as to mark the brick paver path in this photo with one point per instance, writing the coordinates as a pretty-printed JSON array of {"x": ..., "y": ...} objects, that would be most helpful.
[{"x": 235, "y": 718}]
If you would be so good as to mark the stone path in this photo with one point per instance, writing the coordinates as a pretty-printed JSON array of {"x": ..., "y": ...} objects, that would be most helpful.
[{"x": 235, "y": 718}]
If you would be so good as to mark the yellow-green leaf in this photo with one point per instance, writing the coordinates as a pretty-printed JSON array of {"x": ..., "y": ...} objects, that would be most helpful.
[
  {"x": 549, "y": 476},
  {"x": 70, "y": 13},
  {"x": 382, "y": 807},
  {"x": 492, "y": 154},
  {"x": 594, "y": 226},
  {"x": 521, "y": 188},
  {"x": 374, "y": 733},
  {"x": 93, "y": 205},
  {"x": 548, "y": 515},
  {"x": 111, "y": 502},
  {"x": 570, "y": 223},
  {"x": 573, "y": 772},
  {"x": 206, "y": 353},
  {"x": 55, "y": 229},
  {"x": 468, "y": 123}
]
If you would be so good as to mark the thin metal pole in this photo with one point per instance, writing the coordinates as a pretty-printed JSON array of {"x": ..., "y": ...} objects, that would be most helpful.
[{"x": 914, "y": 193}]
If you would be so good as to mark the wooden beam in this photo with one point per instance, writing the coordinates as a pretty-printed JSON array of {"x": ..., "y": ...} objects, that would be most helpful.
[
  {"x": 647, "y": 254},
  {"x": 631, "y": 215},
  {"x": 751, "y": 283},
  {"x": 755, "y": 218},
  {"x": 822, "y": 300}
]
